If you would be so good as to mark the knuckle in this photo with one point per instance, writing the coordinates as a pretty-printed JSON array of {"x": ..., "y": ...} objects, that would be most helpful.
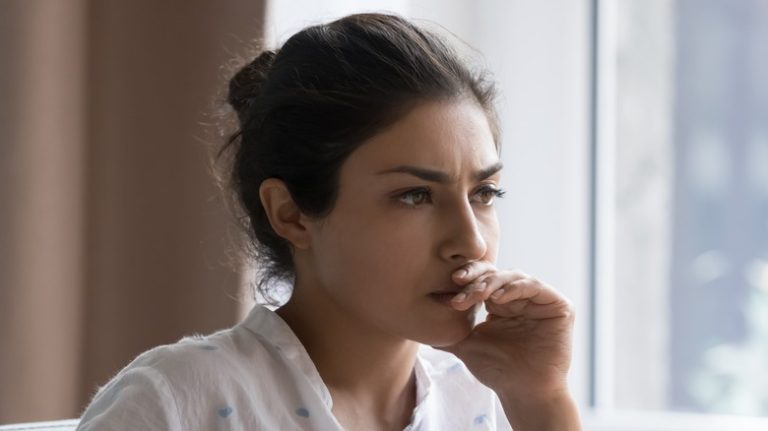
[
  {"x": 518, "y": 273},
  {"x": 571, "y": 310},
  {"x": 568, "y": 310},
  {"x": 473, "y": 287}
]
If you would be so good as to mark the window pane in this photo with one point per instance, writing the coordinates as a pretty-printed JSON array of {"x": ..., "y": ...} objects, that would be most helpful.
[{"x": 691, "y": 206}]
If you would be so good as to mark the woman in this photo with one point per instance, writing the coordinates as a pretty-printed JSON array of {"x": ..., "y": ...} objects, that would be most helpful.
[{"x": 366, "y": 166}]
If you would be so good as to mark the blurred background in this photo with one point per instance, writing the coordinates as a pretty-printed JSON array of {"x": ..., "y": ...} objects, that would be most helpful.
[{"x": 635, "y": 144}]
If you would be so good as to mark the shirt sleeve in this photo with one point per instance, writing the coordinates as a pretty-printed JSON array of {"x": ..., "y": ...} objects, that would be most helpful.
[{"x": 139, "y": 398}]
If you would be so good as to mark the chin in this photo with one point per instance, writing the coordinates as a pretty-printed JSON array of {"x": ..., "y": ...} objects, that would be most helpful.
[{"x": 446, "y": 334}]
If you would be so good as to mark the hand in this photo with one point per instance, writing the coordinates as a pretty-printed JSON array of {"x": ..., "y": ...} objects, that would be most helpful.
[{"x": 523, "y": 349}]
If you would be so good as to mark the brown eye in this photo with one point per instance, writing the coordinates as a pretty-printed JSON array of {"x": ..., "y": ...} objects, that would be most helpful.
[
  {"x": 416, "y": 197},
  {"x": 489, "y": 193}
]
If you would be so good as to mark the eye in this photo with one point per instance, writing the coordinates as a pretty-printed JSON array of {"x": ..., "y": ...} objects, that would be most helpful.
[
  {"x": 421, "y": 196},
  {"x": 415, "y": 196},
  {"x": 489, "y": 193}
]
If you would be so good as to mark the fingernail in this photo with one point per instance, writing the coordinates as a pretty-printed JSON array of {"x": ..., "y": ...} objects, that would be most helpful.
[
  {"x": 463, "y": 273},
  {"x": 460, "y": 297},
  {"x": 497, "y": 294}
]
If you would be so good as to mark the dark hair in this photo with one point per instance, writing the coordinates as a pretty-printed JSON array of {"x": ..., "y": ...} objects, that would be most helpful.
[{"x": 305, "y": 107}]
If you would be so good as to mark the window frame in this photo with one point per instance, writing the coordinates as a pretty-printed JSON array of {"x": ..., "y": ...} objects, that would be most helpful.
[{"x": 601, "y": 413}]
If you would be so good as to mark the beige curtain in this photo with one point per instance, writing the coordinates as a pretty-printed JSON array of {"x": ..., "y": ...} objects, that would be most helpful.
[{"x": 113, "y": 238}]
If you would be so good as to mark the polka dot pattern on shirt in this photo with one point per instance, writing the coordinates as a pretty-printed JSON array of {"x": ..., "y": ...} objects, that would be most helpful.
[
  {"x": 455, "y": 367},
  {"x": 224, "y": 412},
  {"x": 209, "y": 368},
  {"x": 481, "y": 419}
]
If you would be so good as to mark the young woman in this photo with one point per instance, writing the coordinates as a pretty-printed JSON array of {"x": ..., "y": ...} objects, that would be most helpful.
[{"x": 366, "y": 165}]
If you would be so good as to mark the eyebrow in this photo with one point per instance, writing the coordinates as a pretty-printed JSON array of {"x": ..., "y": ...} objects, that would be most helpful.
[{"x": 438, "y": 176}]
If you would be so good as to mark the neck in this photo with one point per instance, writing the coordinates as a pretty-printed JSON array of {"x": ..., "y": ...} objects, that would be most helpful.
[{"x": 357, "y": 362}]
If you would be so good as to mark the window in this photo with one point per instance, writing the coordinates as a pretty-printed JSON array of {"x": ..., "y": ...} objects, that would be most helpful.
[{"x": 681, "y": 293}]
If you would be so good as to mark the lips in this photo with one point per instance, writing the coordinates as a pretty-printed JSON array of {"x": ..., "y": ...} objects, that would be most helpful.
[
  {"x": 448, "y": 287},
  {"x": 443, "y": 297},
  {"x": 445, "y": 291},
  {"x": 446, "y": 294}
]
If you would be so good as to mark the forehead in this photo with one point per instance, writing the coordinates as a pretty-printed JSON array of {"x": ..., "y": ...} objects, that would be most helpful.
[{"x": 453, "y": 136}]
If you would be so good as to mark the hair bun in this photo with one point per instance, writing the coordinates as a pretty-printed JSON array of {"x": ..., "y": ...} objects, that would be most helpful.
[{"x": 246, "y": 85}]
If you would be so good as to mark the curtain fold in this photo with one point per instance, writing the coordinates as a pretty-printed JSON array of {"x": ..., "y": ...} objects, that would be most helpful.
[{"x": 113, "y": 237}]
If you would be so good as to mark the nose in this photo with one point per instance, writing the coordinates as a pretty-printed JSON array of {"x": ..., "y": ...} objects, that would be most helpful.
[{"x": 463, "y": 239}]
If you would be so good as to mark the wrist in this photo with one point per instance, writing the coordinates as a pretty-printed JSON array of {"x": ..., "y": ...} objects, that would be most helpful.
[
  {"x": 533, "y": 396},
  {"x": 551, "y": 411}
]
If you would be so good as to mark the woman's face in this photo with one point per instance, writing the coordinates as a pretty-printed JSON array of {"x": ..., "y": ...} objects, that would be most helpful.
[{"x": 412, "y": 208}]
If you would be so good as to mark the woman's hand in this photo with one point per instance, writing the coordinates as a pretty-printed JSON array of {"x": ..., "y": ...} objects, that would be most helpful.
[{"x": 523, "y": 349}]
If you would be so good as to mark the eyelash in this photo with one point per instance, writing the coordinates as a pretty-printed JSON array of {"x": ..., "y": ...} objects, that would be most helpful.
[{"x": 494, "y": 192}]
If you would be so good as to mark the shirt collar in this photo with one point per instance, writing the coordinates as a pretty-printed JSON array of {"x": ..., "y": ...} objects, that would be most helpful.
[{"x": 274, "y": 331}]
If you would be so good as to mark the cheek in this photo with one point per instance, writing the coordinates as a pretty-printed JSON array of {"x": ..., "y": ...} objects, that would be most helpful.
[
  {"x": 369, "y": 258},
  {"x": 491, "y": 235}
]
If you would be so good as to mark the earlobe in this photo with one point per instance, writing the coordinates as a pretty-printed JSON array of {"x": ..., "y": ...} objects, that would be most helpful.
[{"x": 283, "y": 213}]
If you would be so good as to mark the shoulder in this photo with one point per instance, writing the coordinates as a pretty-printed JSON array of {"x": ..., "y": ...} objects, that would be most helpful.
[
  {"x": 190, "y": 354},
  {"x": 168, "y": 385},
  {"x": 198, "y": 363}
]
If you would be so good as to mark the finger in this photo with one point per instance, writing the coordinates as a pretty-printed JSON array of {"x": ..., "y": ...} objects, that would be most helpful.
[
  {"x": 526, "y": 309},
  {"x": 509, "y": 309},
  {"x": 499, "y": 279},
  {"x": 526, "y": 288},
  {"x": 546, "y": 311},
  {"x": 473, "y": 270},
  {"x": 483, "y": 286},
  {"x": 471, "y": 294}
]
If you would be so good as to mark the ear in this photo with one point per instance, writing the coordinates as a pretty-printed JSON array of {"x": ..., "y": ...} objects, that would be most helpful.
[{"x": 283, "y": 213}]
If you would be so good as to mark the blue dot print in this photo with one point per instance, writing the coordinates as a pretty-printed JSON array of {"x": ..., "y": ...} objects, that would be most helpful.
[
  {"x": 225, "y": 412},
  {"x": 479, "y": 420},
  {"x": 455, "y": 367},
  {"x": 301, "y": 411},
  {"x": 209, "y": 347}
]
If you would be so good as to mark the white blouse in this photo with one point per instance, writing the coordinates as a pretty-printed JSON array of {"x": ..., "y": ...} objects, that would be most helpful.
[{"x": 258, "y": 376}]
